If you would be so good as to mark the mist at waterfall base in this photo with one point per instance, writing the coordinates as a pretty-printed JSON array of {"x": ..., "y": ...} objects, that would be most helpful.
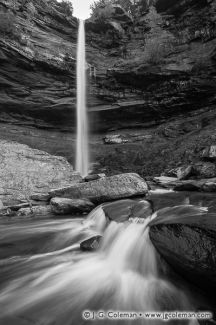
[
  {"x": 54, "y": 285},
  {"x": 82, "y": 151}
]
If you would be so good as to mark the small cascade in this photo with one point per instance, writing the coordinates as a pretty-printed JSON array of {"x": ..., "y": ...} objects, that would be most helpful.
[{"x": 125, "y": 274}]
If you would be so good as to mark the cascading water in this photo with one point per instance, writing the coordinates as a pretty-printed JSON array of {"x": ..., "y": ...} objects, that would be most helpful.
[
  {"x": 82, "y": 154},
  {"x": 123, "y": 275}
]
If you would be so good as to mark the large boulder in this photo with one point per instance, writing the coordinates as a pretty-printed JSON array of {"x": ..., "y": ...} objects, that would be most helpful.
[
  {"x": 124, "y": 210},
  {"x": 25, "y": 171},
  {"x": 106, "y": 189},
  {"x": 190, "y": 250},
  {"x": 35, "y": 212},
  {"x": 66, "y": 206}
]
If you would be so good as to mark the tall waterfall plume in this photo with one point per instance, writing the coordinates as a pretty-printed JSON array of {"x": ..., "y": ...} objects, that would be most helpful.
[{"x": 82, "y": 151}]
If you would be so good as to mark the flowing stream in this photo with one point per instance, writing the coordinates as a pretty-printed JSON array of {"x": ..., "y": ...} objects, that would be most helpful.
[
  {"x": 56, "y": 283},
  {"x": 82, "y": 152}
]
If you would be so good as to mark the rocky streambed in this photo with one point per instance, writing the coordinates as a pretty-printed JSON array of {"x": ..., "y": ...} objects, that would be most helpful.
[{"x": 183, "y": 232}]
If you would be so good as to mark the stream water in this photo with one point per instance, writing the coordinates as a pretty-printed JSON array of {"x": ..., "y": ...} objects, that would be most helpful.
[{"x": 46, "y": 279}]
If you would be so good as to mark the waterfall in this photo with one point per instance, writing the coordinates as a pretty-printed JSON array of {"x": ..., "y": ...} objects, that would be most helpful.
[{"x": 82, "y": 155}]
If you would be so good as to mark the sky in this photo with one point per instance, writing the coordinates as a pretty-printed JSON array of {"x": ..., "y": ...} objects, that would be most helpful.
[{"x": 81, "y": 8}]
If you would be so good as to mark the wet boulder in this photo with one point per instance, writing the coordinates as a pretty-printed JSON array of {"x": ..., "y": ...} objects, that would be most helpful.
[
  {"x": 35, "y": 212},
  {"x": 94, "y": 177},
  {"x": 209, "y": 187},
  {"x": 91, "y": 244},
  {"x": 123, "y": 210},
  {"x": 105, "y": 189},
  {"x": 204, "y": 169},
  {"x": 63, "y": 206},
  {"x": 189, "y": 248},
  {"x": 209, "y": 153},
  {"x": 184, "y": 172},
  {"x": 181, "y": 173},
  {"x": 193, "y": 185},
  {"x": 199, "y": 170}
]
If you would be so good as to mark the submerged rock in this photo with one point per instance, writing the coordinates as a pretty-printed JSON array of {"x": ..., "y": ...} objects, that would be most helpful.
[
  {"x": 189, "y": 249},
  {"x": 25, "y": 171},
  {"x": 91, "y": 244},
  {"x": 67, "y": 206},
  {"x": 106, "y": 189}
]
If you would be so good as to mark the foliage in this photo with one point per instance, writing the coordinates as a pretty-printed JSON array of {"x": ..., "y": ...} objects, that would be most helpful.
[
  {"x": 66, "y": 7},
  {"x": 159, "y": 42},
  {"x": 7, "y": 23},
  {"x": 102, "y": 9},
  {"x": 132, "y": 7}
]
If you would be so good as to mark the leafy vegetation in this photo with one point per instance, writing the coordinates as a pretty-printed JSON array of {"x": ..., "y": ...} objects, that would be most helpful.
[
  {"x": 102, "y": 9},
  {"x": 66, "y": 7},
  {"x": 132, "y": 7},
  {"x": 159, "y": 42}
]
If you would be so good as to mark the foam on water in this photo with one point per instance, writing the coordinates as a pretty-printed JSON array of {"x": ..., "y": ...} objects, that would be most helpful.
[{"x": 124, "y": 274}]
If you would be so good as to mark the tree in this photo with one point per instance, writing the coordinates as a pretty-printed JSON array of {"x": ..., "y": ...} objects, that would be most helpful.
[
  {"x": 102, "y": 9},
  {"x": 159, "y": 42},
  {"x": 66, "y": 7}
]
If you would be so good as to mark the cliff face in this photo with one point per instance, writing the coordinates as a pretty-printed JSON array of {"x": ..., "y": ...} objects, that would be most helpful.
[
  {"x": 146, "y": 93},
  {"x": 37, "y": 73},
  {"x": 168, "y": 103}
]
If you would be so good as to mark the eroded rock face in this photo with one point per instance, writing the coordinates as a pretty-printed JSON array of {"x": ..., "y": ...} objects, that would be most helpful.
[
  {"x": 106, "y": 189},
  {"x": 38, "y": 65},
  {"x": 136, "y": 93},
  {"x": 61, "y": 206},
  {"x": 25, "y": 171},
  {"x": 190, "y": 250}
]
